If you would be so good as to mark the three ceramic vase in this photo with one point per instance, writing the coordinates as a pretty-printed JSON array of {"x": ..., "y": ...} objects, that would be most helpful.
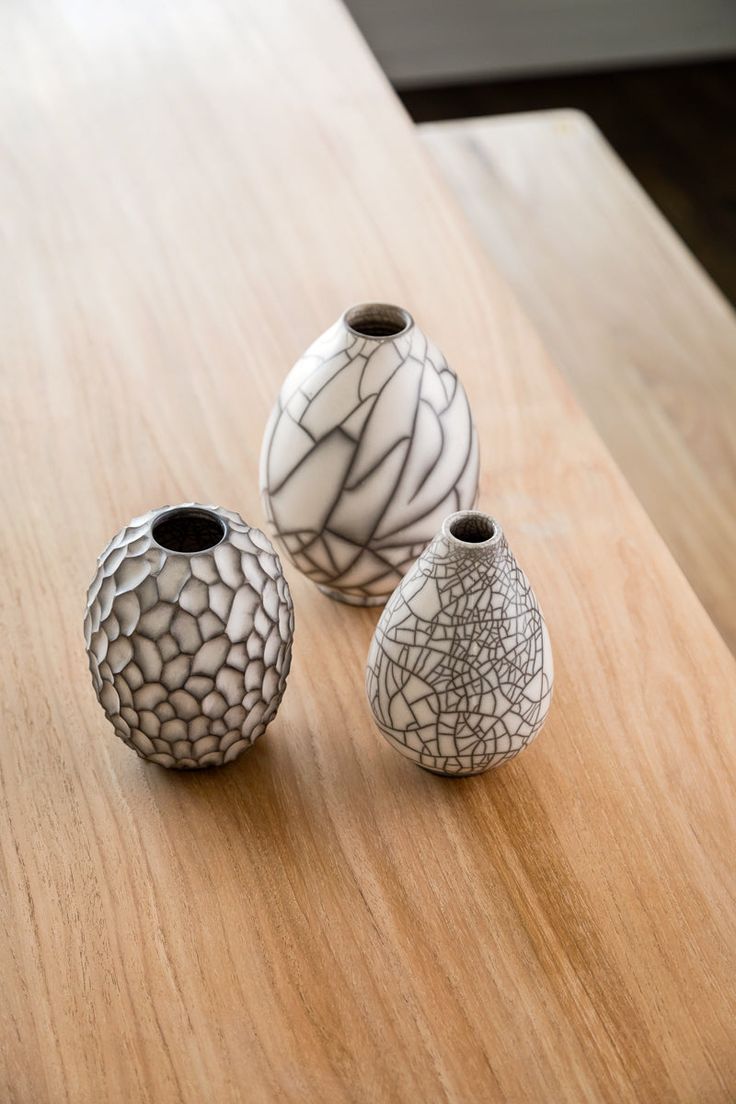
[
  {"x": 370, "y": 445},
  {"x": 189, "y": 629},
  {"x": 459, "y": 673}
]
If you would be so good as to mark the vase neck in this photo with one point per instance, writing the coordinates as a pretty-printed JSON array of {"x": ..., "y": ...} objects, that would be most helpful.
[
  {"x": 471, "y": 533},
  {"x": 377, "y": 322}
]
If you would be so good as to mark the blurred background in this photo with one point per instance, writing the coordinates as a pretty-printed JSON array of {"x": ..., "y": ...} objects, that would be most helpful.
[
  {"x": 570, "y": 213},
  {"x": 658, "y": 77}
]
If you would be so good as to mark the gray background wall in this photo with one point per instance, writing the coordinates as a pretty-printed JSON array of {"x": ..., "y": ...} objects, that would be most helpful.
[{"x": 426, "y": 41}]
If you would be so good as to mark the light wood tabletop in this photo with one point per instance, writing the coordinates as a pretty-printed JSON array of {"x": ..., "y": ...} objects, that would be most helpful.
[
  {"x": 189, "y": 194},
  {"x": 639, "y": 329}
]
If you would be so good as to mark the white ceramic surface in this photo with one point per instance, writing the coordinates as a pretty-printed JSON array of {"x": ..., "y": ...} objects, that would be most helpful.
[
  {"x": 188, "y": 629},
  {"x": 370, "y": 445},
  {"x": 459, "y": 673}
]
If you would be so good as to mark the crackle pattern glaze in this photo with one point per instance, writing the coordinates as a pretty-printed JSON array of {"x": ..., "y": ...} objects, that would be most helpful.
[
  {"x": 189, "y": 651},
  {"x": 459, "y": 673},
  {"x": 370, "y": 445}
]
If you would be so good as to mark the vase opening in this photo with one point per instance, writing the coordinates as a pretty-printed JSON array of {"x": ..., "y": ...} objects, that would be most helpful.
[
  {"x": 471, "y": 527},
  {"x": 188, "y": 529},
  {"x": 378, "y": 320}
]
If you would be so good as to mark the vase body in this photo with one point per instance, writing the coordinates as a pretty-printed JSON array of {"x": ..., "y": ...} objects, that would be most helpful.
[
  {"x": 370, "y": 445},
  {"x": 189, "y": 628},
  {"x": 459, "y": 673}
]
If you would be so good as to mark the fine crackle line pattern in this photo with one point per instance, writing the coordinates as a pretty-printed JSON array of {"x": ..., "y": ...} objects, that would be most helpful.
[
  {"x": 189, "y": 653},
  {"x": 459, "y": 673},
  {"x": 370, "y": 445}
]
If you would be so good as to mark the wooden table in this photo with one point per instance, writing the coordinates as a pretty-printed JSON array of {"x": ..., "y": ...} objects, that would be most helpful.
[
  {"x": 190, "y": 192},
  {"x": 644, "y": 336}
]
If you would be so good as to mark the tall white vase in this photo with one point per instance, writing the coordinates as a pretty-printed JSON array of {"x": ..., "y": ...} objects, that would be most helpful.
[
  {"x": 459, "y": 673},
  {"x": 370, "y": 445}
]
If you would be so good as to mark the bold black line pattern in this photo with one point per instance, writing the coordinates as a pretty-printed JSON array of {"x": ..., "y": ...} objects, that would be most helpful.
[
  {"x": 353, "y": 507},
  {"x": 459, "y": 673}
]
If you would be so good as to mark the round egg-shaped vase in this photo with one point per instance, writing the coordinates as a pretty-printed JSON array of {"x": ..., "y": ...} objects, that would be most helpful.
[
  {"x": 188, "y": 628},
  {"x": 459, "y": 673},
  {"x": 370, "y": 445}
]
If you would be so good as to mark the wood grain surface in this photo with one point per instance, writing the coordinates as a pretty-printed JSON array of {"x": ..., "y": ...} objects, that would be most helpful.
[
  {"x": 189, "y": 193},
  {"x": 642, "y": 333}
]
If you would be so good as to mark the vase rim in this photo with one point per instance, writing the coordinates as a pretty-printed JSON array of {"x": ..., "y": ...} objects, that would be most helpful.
[
  {"x": 465, "y": 530},
  {"x": 207, "y": 541},
  {"x": 377, "y": 321}
]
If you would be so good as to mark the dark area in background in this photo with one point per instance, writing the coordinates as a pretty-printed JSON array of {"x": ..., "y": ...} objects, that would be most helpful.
[{"x": 674, "y": 126}]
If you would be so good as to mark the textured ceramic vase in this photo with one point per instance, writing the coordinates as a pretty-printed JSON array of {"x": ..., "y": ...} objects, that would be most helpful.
[
  {"x": 459, "y": 674},
  {"x": 370, "y": 445},
  {"x": 188, "y": 629}
]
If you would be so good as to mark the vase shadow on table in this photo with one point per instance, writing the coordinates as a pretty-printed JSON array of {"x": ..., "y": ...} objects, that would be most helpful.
[
  {"x": 359, "y": 806},
  {"x": 244, "y": 798}
]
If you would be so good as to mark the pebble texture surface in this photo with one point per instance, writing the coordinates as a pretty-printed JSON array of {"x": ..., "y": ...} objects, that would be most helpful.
[{"x": 189, "y": 651}]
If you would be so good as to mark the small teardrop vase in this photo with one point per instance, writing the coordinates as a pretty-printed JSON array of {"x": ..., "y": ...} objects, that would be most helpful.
[{"x": 459, "y": 674}]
